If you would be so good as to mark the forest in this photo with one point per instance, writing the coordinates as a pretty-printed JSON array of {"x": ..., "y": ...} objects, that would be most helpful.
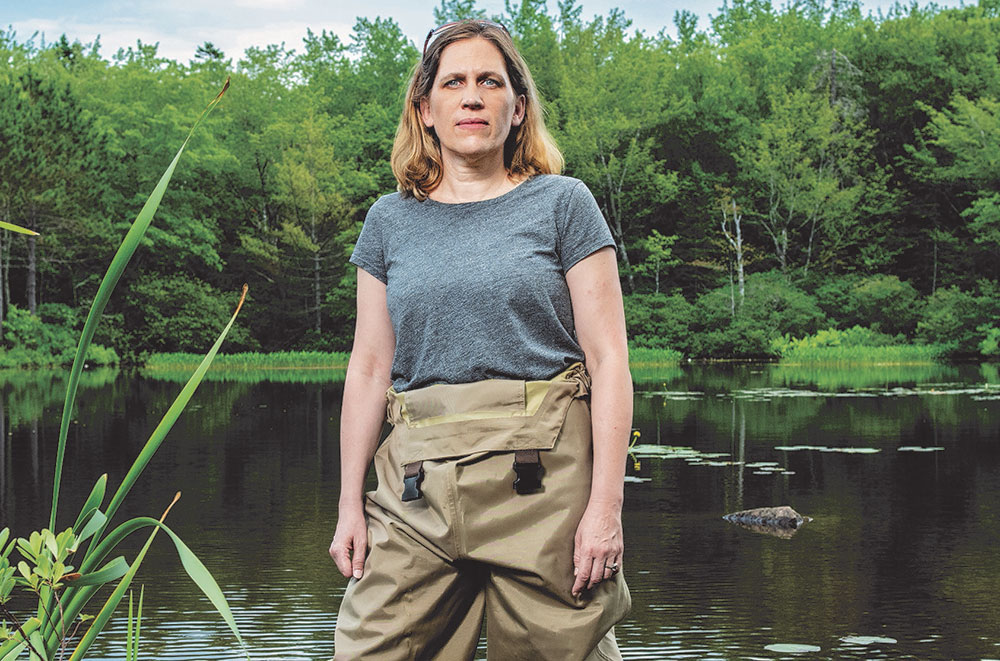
[{"x": 769, "y": 176}]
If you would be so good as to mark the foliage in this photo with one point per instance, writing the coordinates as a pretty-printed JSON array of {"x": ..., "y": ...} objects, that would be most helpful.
[
  {"x": 862, "y": 152},
  {"x": 773, "y": 306},
  {"x": 961, "y": 320},
  {"x": 657, "y": 321},
  {"x": 47, "y": 339},
  {"x": 647, "y": 357},
  {"x": 272, "y": 360},
  {"x": 854, "y": 345},
  {"x": 170, "y": 312},
  {"x": 884, "y": 301},
  {"x": 62, "y": 591}
]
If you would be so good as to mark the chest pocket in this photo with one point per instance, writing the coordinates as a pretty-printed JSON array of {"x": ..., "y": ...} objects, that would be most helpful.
[{"x": 496, "y": 415}]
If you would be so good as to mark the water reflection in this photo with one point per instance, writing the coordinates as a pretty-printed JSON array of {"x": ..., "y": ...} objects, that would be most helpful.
[{"x": 902, "y": 545}]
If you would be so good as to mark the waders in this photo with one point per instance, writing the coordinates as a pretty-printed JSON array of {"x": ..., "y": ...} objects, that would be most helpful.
[{"x": 481, "y": 487}]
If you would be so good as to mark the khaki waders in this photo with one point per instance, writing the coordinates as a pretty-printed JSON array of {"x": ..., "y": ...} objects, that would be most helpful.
[{"x": 463, "y": 541}]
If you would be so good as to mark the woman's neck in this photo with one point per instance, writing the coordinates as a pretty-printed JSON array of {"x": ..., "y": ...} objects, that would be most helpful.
[{"x": 465, "y": 181}]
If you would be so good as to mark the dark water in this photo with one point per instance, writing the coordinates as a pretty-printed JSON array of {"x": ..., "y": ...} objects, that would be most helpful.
[{"x": 903, "y": 546}]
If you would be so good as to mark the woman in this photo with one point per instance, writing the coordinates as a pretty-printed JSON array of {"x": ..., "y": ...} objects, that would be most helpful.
[{"x": 482, "y": 285}]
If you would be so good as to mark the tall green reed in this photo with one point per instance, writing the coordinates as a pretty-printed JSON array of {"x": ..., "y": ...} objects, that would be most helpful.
[{"x": 63, "y": 591}]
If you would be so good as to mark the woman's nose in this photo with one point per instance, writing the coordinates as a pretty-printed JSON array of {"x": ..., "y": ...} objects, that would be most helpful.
[{"x": 472, "y": 100}]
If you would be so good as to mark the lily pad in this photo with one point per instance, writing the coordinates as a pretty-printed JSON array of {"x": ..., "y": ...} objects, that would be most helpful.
[
  {"x": 792, "y": 648},
  {"x": 868, "y": 640}
]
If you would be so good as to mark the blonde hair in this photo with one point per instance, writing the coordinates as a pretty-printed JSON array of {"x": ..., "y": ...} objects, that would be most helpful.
[{"x": 416, "y": 153}]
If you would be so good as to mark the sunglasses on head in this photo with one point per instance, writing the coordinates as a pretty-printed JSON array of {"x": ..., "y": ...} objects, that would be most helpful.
[{"x": 434, "y": 32}]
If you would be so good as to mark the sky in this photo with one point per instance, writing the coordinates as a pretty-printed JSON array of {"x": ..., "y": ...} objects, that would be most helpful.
[{"x": 180, "y": 26}]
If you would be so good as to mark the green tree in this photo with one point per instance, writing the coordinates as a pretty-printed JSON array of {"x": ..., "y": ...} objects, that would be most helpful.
[
  {"x": 611, "y": 95},
  {"x": 963, "y": 149},
  {"x": 807, "y": 172},
  {"x": 659, "y": 256}
]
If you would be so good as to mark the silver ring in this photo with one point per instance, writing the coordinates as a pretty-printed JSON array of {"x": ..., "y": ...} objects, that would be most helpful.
[{"x": 613, "y": 567}]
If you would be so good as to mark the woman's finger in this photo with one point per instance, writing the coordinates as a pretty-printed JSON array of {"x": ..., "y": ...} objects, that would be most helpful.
[
  {"x": 582, "y": 570},
  {"x": 613, "y": 567},
  {"x": 597, "y": 572},
  {"x": 358, "y": 560}
]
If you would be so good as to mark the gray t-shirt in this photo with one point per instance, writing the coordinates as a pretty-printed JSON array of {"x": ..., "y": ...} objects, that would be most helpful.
[{"x": 478, "y": 290}]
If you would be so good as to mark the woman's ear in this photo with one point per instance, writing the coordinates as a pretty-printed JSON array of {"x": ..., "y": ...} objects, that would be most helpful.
[
  {"x": 425, "y": 112},
  {"x": 519, "y": 106}
]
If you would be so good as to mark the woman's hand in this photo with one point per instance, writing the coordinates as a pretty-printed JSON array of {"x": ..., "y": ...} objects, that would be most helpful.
[
  {"x": 598, "y": 545},
  {"x": 350, "y": 542}
]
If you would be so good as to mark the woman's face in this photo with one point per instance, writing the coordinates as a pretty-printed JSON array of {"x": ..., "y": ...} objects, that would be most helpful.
[{"x": 472, "y": 105}]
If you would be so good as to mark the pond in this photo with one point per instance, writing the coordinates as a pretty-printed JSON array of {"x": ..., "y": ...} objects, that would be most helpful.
[{"x": 898, "y": 466}]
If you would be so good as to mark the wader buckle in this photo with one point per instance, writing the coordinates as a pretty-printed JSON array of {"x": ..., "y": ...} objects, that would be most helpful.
[
  {"x": 413, "y": 475},
  {"x": 529, "y": 471}
]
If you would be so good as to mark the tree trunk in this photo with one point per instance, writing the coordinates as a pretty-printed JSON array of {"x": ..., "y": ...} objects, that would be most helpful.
[
  {"x": 3, "y": 458},
  {"x": 732, "y": 290},
  {"x": 316, "y": 284},
  {"x": 809, "y": 246},
  {"x": 613, "y": 214},
  {"x": 2, "y": 299},
  {"x": 32, "y": 288},
  {"x": 6, "y": 270},
  {"x": 735, "y": 239},
  {"x": 934, "y": 277}
]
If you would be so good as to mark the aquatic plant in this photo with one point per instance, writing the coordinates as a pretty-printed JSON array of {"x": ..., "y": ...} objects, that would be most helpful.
[
  {"x": 63, "y": 590},
  {"x": 252, "y": 360},
  {"x": 645, "y": 357},
  {"x": 854, "y": 345}
]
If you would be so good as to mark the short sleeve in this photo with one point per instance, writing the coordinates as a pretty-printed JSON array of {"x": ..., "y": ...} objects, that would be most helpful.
[
  {"x": 582, "y": 228},
  {"x": 369, "y": 251}
]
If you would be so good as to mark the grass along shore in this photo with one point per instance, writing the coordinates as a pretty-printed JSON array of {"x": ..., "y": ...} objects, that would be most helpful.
[{"x": 795, "y": 353}]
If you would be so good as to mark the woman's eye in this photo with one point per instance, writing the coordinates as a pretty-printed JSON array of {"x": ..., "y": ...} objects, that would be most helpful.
[
  {"x": 491, "y": 82},
  {"x": 452, "y": 83}
]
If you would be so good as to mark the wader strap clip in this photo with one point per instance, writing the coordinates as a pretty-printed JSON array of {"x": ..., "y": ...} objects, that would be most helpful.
[
  {"x": 413, "y": 475},
  {"x": 529, "y": 470}
]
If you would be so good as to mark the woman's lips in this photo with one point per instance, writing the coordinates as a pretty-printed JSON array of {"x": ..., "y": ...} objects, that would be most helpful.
[{"x": 472, "y": 122}]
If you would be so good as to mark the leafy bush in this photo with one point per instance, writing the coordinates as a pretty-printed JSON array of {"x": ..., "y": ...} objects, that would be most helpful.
[
  {"x": 47, "y": 339},
  {"x": 657, "y": 321},
  {"x": 882, "y": 302},
  {"x": 773, "y": 306},
  {"x": 177, "y": 313},
  {"x": 952, "y": 318}
]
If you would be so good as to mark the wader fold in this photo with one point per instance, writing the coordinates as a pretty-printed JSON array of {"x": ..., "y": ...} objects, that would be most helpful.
[{"x": 451, "y": 540}]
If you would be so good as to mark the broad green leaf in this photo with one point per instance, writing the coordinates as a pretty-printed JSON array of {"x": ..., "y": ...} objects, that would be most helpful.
[
  {"x": 93, "y": 501},
  {"x": 121, "y": 259},
  {"x": 203, "y": 579},
  {"x": 94, "y": 522},
  {"x": 14, "y": 653},
  {"x": 36, "y": 644},
  {"x": 110, "y": 572}
]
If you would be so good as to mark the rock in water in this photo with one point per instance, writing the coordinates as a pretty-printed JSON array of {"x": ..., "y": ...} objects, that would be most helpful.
[{"x": 780, "y": 521}]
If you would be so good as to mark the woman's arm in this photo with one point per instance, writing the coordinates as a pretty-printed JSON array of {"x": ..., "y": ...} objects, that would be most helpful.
[
  {"x": 361, "y": 419},
  {"x": 599, "y": 316}
]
